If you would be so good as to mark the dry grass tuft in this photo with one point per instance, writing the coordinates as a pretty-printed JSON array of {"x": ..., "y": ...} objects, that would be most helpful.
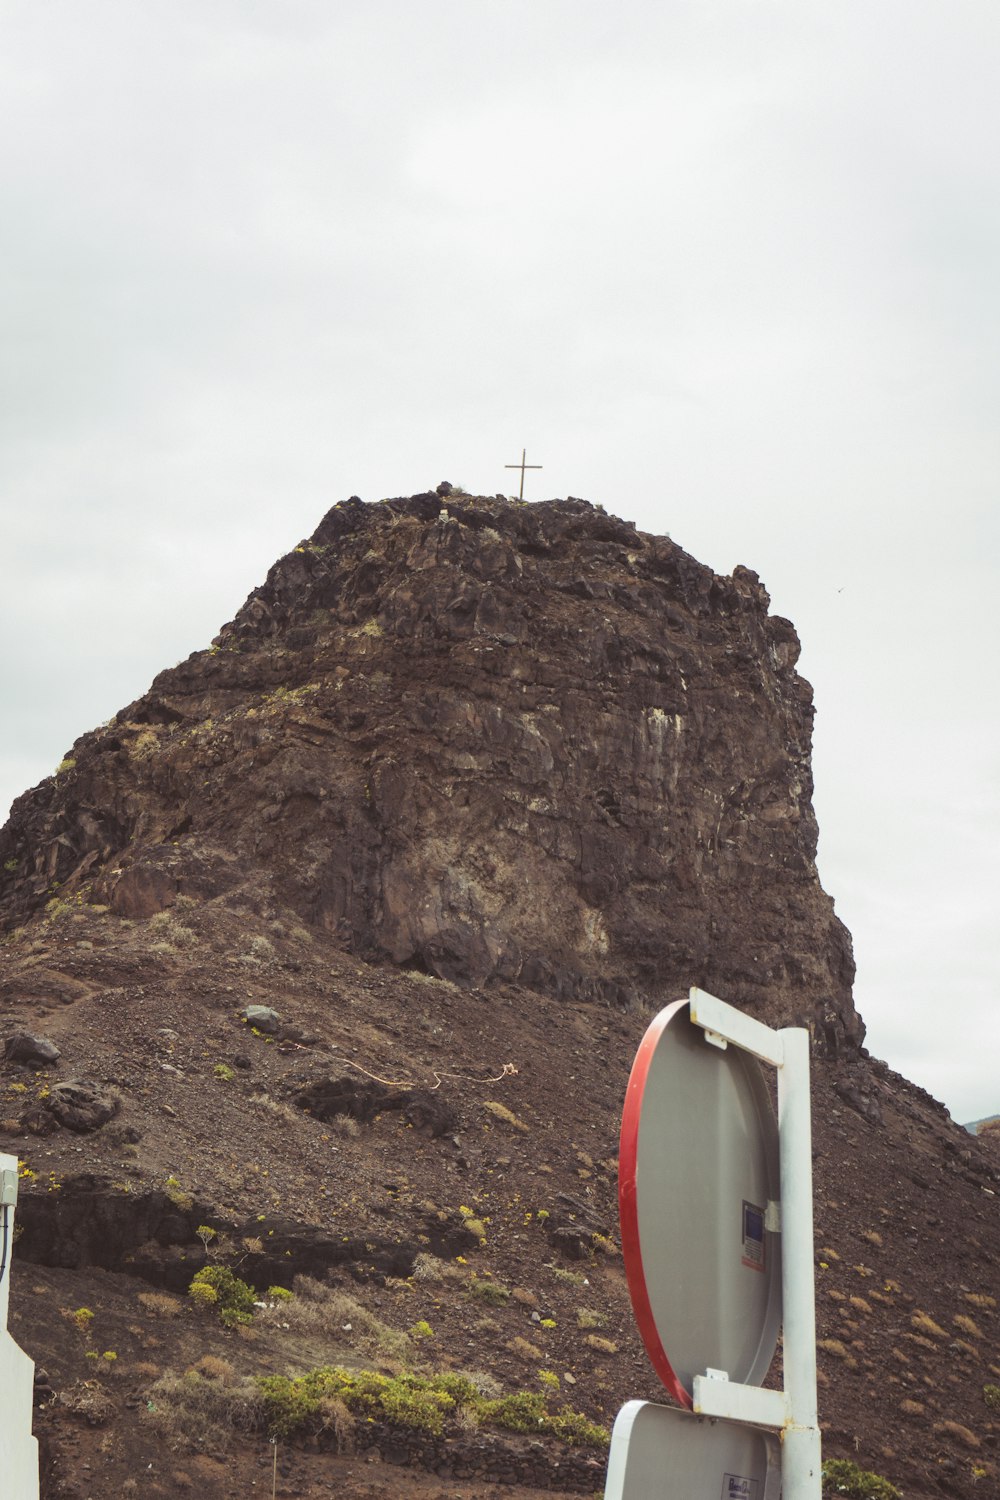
[
  {"x": 967, "y": 1326},
  {"x": 926, "y": 1324},
  {"x": 524, "y": 1350},
  {"x": 918, "y": 1338},
  {"x": 603, "y": 1346},
  {"x": 571, "y": 1278},
  {"x": 277, "y": 1109},
  {"x": 839, "y": 1350},
  {"x": 981, "y": 1300},
  {"x": 173, "y": 934},
  {"x": 89, "y": 1399},
  {"x": 418, "y": 977},
  {"x": 860, "y": 1304},
  {"x": 956, "y": 1430},
  {"x": 161, "y": 1304},
  {"x": 320, "y": 1309},
  {"x": 194, "y": 1412},
  {"x": 214, "y": 1368},
  {"x": 507, "y": 1116},
  {"x": 431, "y": 1268},
  {"x": 872, "y": 1236},
  {"x": 912, "y": 1408}
]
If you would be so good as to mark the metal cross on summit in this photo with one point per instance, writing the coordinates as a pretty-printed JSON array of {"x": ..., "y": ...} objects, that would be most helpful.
[{"x": 522, "y": 466}]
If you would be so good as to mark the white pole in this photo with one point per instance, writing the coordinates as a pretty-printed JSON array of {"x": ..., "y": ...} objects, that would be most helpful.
[
  {"x": 801, "y": 1458},
  {"x": 18, "y": 1449}
]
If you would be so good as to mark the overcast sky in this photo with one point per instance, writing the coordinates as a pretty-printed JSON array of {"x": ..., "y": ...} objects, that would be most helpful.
[{"x": 727, "y": 267}]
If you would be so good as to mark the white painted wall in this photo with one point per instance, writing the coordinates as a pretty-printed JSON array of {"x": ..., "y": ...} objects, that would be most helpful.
[{"x": 18, "y": 1449}]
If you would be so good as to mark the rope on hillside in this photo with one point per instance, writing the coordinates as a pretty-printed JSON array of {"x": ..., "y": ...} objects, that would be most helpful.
[{"x": 508, "y": 1070}]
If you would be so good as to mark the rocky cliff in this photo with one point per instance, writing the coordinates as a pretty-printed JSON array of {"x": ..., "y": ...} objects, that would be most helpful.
[
  {"x": 325, "y": 963},
  {"x": 485, "y": 740}
]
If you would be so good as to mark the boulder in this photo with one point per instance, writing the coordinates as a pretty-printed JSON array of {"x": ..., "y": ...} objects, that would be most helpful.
[
  {"x": 35, "y": 1051},
  {"x": 263, "y": 1018},
  {"x": 82, "y": 1105}
]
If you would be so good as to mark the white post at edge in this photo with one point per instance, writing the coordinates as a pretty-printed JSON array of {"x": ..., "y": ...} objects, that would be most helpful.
[
  {"x": 801, "y": 1463},
  {"x": 18, "y": 1449}
]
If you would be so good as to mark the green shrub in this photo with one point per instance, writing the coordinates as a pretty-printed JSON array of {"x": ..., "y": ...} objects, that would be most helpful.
[
  {"x": 489, "y": 1292},
  {"x": 291, "y": 1405},
  {"x": 233, "y": 1298},
  {"x": 842, "y": 1477},
  {"x": 279, "y": 1294},
  {"x": 571, "y": 1278},
  {"x": 411, "y": 1403},
  {"x": 524, "y": 1411},
  {"x": 991, "y": 1395},
  {"x": 178, "y": 1197},
  {"x": 83, "y": 1317},
  {"x": 573, "y": 1427},
  {"x": 459, "y": 1387}
]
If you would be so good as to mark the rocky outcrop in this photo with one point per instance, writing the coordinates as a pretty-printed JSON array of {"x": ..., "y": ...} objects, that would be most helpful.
[{"x": 485, "y": 740}]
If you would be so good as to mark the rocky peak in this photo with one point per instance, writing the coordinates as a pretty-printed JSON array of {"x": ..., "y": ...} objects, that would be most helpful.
[{"x": 483, "y": 739}]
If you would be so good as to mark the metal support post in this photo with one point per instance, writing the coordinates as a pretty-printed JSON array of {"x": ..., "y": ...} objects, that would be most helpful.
[{"x": 800, "y": 1440}]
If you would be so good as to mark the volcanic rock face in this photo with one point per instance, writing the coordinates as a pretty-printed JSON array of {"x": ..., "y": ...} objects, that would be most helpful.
[{"x": 483, "y": 740}]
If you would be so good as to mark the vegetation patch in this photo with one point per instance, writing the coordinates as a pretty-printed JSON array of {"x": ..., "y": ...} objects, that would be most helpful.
[
  {"x": 842, "y": 1477},
  {"x": 489, "y": 1292},
  {"x": 507, "y": 1116},
  {"x": 232, "y": 1298},
  {"x": 326, "y": 1311},
  {"x": 602, "y": 1345},
  {"x": 957, "y": 1431},
  {"x": 295, "y": 1406},
  {"x": 569, "y": 1278},
  {"x": 839, "y": 1350}
]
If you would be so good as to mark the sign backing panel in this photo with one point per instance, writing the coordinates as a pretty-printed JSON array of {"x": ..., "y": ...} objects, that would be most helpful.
[
  {"x": 698, "y": 1169},
  {"x": 658, "y": 1452}
]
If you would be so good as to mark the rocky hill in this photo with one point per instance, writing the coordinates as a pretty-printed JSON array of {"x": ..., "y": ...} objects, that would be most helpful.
[{"x": 463, "y": 795}]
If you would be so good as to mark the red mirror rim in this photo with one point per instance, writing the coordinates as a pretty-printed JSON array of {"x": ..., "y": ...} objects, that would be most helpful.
[{"x": 628, "y": 1211}]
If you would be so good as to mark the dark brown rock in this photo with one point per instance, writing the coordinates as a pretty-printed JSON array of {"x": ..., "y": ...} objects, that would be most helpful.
[
  {"x": 586, "y": 752},
  {"x": 34, "y": 1051},
  {"x": 82, "y": 1105}
]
